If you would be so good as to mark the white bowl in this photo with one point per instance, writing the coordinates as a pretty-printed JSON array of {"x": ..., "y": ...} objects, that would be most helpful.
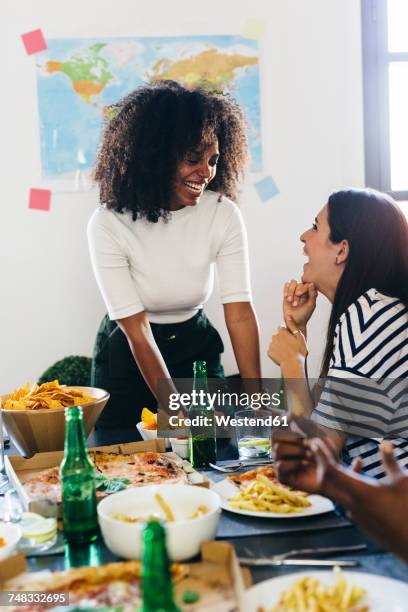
[
  {"x": 181, "y": 446},
  {"x": 184, "y": 536},
  {"x": 11, "y": 534},
  {"x": 147, "y": 434},
  {"x": 150, "y": 434}
]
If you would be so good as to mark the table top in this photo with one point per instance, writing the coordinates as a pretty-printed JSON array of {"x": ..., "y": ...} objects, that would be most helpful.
[{"x": 260, "y": 537}]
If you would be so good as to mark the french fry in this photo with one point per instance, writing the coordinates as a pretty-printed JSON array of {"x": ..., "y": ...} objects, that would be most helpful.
[
  {"x": 309, "y": 595},
  {"x": 264, "y": 496},
  {"x": 290, "y": 496},
  {"x": 165, "y": 507}
]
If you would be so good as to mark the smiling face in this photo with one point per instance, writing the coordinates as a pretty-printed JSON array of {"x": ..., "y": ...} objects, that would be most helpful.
[
  {"x": 194, "y": 173},
  {"x": 326, "y": 259}
]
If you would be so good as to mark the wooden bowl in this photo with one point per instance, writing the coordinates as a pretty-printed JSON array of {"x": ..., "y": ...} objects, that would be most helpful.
[{"x": 37, "y": 431}]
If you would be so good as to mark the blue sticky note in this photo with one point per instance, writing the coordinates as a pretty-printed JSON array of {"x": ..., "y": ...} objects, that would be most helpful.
[{"x": 266, "y": 188}]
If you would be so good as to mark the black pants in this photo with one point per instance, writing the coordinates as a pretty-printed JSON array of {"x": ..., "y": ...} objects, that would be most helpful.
[{"x": 114, "y": 368}]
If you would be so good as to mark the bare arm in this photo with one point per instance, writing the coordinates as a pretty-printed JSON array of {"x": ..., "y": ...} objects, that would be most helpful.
[
  {"x": 380, "y": 507},
  {"x": 147, "y": 355},
  {"x": 299, "y": 303},
  {"x": 289, "y": 351},
  {"x": 299, "y": 404},
  {"x": 243, "y": 330}
]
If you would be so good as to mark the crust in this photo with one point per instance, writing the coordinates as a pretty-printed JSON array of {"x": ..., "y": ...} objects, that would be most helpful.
[
  {"x": 267, "y": 471},
  {"x": 242, "y": 480},
  {"x": 153, "y": 468},
  {"x": 81, "y": 578}
]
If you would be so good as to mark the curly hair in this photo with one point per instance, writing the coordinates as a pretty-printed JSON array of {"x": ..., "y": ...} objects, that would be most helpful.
[{"x": 151, "y": 132}]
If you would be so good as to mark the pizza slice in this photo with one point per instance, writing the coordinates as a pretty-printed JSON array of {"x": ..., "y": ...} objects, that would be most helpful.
[
  {"x": 244, "y": 480},
  {"x": 109, "y": 585},
  {"x": 140, "y": 468},
  {"x": 43, "y": 484},
  {"x": 115, "y": 471}
]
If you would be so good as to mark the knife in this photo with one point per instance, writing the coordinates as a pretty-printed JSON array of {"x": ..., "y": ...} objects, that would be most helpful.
[{"x": 304, "y": 562}]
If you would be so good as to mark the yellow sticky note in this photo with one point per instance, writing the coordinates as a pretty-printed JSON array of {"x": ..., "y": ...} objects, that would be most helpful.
[{"x": 253, "y": 28}]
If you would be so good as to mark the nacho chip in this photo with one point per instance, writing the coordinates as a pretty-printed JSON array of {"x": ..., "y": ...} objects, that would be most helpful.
[
  {"x": 49, "y": 395},
  {"x": 149, "y": 419}
]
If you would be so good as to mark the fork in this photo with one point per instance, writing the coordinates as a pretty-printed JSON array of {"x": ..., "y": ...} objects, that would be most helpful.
[
  {"x": 281, "y": 558},
  {"x": 228, "y": 469}
]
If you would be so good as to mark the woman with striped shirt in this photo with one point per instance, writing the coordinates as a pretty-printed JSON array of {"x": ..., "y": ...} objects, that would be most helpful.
[{"x": 357, "y": 253}]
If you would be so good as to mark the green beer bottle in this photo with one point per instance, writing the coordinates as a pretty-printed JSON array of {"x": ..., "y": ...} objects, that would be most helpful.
[
  {"x": 78, "y": 483},
  {"x": 157, "y": 587},
  {"x": 203, "y": 443}
]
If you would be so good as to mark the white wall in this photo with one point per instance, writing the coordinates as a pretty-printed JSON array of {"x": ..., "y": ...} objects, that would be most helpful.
[{"x": 313, "y": 144}]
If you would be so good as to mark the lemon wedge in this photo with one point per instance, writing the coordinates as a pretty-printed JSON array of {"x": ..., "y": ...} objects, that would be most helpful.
[
  {"x": 36, "y": 527},
  {"x": 255, "y": 443}
]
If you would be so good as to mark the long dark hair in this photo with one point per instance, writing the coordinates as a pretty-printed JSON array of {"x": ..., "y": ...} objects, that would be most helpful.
[
  {"x": 152, "y": 130},
  {"x": 377, "y": 233}
]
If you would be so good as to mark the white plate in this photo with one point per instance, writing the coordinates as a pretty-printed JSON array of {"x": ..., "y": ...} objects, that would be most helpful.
[
  {"x": 383, "y": 594},
  {"x": 11, "y": 534},
  {"x": 226, "y": 489}
]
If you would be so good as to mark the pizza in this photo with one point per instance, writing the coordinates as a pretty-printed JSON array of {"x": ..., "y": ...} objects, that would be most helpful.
[
  {"x": 116, "y": 587},
  {"x": 114, "y": 472},
  {"x": 245, "y": 479},
  {"x": 109, "y": 585}
]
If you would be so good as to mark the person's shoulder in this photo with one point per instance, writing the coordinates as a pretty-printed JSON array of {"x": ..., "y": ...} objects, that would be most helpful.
[
  {"x": 372, "y": 309},
  {"x": 96, "y": 220},
  {"x": 374, "y": 303},
  {"x": 368, "y": 332},
  {"x": 105, "y": 218},
  {"x": 101, "y": 215},
  {"x": 213, "y": 200},
  {"x": 223, "y": 211}
]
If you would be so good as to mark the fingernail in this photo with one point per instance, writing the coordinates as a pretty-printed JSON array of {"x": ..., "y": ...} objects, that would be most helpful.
[
  {"x": 295, "y": 303},
  {"x": 387, "y": 446},
  {"x": 290, "y": 298}
]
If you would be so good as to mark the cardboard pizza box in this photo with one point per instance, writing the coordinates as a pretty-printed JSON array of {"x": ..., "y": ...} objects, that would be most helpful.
[
  {"x": 12, "y": 566},
  {"x": 19, "y": 469},
  {"x": 216, "y": 578}
]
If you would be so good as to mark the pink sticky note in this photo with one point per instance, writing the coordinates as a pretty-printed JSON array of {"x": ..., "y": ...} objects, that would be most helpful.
[
  {"x": 34, "y": 41},
  {"x": 40, "y": 199}
]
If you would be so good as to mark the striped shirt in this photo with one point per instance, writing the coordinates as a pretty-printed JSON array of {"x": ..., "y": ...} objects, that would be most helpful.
[{"x": 366, "y": 391}]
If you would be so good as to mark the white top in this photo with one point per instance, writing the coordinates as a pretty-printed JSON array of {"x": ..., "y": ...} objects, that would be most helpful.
[
  {"x": 366, "y": 390},
  {"x": 167, "y": 268}
]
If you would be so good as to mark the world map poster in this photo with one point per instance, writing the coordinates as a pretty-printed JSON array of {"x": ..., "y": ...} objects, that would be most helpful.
[{"x": 79, "y": 79}]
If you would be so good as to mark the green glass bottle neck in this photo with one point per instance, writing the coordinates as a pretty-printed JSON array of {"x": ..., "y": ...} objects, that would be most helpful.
[
  {"x": 157, "y": 584},
  {"x": 75, "y": 441},
  {"x": 200, "y": 376},
  {"x": 200, "y": 368}
]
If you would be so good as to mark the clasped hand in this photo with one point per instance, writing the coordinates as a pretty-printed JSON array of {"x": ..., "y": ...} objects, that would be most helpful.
[
  {"x": 289, "y": 343},
  {"x": 299, "y": 302}
]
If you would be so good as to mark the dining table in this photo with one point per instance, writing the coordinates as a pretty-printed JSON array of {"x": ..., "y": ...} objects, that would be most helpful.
[{"x": 250, "y": 536}]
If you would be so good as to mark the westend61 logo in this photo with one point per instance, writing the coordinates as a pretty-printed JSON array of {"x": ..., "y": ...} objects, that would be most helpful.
[
  {"x": 222, "y": 399},
  {"x": 222, "y": 420}
]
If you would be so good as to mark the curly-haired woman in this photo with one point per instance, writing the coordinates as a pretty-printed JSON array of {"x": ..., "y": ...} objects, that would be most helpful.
[{"x": 168, "y": 168}]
